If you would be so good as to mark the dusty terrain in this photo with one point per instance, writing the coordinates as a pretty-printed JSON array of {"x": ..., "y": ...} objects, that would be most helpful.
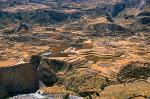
[{"x": 94, "y": 49}]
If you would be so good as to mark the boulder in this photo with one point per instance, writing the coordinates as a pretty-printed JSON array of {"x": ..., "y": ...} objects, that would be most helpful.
[{"x": 17, "y": 79}]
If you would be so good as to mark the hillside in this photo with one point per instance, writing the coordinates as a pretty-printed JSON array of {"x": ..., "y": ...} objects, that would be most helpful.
[{"x": 75, "y": 49}]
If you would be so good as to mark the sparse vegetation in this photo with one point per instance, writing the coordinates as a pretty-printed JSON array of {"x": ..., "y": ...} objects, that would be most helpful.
[{"x": 95, "y": 49}]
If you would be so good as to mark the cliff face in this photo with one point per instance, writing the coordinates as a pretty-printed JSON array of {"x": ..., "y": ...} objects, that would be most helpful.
[{"x": 20, "y": 78}]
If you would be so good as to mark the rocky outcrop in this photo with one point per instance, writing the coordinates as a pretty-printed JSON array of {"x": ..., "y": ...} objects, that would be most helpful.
[
  {"x": 58, "y": 63},
  {"x": 51, "y": 68},
  {"x": 16, "y": 79},
  {"x": 47, "y": 75},
  {"x": 45, "y": 71}
]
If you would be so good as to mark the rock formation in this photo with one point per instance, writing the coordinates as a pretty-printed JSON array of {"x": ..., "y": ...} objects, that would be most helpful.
[
  {"x": 17, "y": 79},
  {"x": 95, "y": 49}
]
